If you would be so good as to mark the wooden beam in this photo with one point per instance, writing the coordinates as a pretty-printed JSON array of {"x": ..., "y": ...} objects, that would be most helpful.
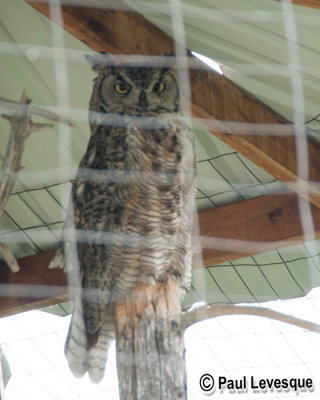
[
  {"x": 306, "y": 3},
  {"x": 108, "y": 29},
  {"x": 34, "y": 286},
  {"x": 253, "y": 226},
  {"x": 214, "y": 97}
]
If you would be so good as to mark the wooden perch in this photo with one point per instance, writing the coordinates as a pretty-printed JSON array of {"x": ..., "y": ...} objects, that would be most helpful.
[
  {"x": 203, "y": 313},
  {"x": 150, "y": 344}
]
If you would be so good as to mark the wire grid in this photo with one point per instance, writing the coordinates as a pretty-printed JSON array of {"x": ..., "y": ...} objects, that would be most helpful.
[
  {"x": 231, "y": 282},
  {"x": 217, "y": 185},
  {"x": 214, "y": 188},
  {"x": 228, "y": 346}
]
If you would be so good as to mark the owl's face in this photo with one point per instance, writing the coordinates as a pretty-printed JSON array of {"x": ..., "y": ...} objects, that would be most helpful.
[{"x": 135, "y": 91}]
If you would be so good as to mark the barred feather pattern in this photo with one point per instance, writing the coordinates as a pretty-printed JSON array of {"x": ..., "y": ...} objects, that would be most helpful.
[{"x": 133, "y": 201}]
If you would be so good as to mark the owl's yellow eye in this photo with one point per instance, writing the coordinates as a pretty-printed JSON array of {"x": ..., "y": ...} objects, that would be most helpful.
[
  {"x": 159, "y": 87},
  {"x": 122, "y": 88}
]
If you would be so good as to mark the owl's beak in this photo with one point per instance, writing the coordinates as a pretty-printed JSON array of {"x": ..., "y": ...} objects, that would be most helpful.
[{"x": 143, "y": 103}]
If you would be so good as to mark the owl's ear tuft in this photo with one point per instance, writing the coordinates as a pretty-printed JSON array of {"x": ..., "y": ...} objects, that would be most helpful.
[{"x": 100, "y": 60}]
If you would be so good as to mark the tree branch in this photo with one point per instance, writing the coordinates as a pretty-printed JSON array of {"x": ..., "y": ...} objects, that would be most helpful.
[
  {"x": 203, "y": 313},
  {"x": 150, "y": 346},
  {"x": 21, "y": 127},
  {"x": 20, "y": 109}
]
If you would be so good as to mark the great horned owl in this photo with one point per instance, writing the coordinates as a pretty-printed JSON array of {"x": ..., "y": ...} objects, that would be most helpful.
[{"x": 133, "y": 200}]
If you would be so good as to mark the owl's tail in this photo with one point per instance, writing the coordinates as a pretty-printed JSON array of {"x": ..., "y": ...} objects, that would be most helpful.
[
  {"x": 80, "y": 358},
  {"x": 76, "y": 342},
  {"x": 98, "y": 353}
]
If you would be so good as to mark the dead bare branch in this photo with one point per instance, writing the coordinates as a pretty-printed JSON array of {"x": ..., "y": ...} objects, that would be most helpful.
[
  {"x": 21, "y": 127},
  {"x": 11, "y": 106},
  {"x": 203, "y": 313},
  {"x": 8, "y": 257}
]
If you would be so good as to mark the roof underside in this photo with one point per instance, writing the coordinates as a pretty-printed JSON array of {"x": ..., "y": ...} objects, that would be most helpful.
[{"x": 253, "y": 41}]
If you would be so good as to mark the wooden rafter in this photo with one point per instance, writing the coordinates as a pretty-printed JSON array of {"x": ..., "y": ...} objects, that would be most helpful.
[
  {"x": 306, "y": 3},
  {"x": 256, "y": 225},
  {"x": 34, "y": 286},
  {"x": 253, "y": 226},
  {"x": 215, "y": 99}
]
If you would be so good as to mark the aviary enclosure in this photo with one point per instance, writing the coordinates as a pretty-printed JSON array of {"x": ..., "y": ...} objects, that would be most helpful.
[{"x": 249, "y": 83}]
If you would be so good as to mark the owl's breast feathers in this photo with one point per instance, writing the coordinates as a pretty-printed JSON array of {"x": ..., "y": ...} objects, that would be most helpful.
[
  {"x": 136, "y": 201},
  {"x": 135, "y": 209}
]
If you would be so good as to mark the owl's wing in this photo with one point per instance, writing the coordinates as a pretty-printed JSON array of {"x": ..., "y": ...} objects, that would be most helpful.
[
  {"x": 92, "y": 328},
  {"x": 82, "y": 359}
]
